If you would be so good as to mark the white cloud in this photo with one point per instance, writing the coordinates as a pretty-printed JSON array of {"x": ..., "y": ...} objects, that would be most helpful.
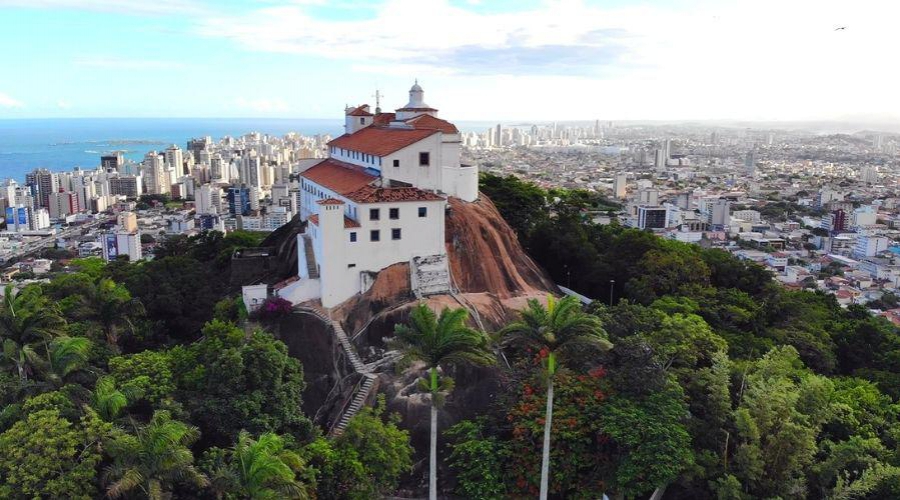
[
  {"x": 63, "y": 104},
  {"x": 566, "y": 59},
  {"x": 107, "y": 62},
  {"x": 133, "y": 7},
  {"x": 262, "y": 105},
  {"x": 6, "y": 101}
]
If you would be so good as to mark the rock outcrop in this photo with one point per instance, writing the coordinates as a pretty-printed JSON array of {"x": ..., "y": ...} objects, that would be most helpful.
[{"x": 492, "y": 277}]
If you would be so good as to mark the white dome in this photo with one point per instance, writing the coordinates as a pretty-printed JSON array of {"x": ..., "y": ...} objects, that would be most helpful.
[{"x": 416, "y": 97}]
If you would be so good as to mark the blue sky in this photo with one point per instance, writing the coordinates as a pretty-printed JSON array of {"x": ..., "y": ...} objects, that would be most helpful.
[{"x": 477, "y": 60}]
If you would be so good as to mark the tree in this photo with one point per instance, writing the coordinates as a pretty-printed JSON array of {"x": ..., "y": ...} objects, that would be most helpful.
[
  {"x": 153, "y": 460},
  {"x": 231, "y": 382},
  {"x": 476, "y": 458},
  {"x": 67, "y": 356},
  {"x": 380, "y": 445},
  {"x": 28, "y": 321},
  {"x": 439, "y": 342},
  {"x": 108, "y": 400},
  {"x": 46, "y": 455},
  {"x": 555, "y": 331},
  {"x": 112, "y": 306},
  {"x": 259, "y": 469}
]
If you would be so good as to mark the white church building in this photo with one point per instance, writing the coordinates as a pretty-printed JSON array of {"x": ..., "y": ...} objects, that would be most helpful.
[{"x": 380, "y": 199}]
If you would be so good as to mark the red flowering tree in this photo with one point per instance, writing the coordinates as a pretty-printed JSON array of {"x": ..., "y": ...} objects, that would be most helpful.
[
  {"x": 558, "y": 331},
  {"x": 579, "y": 454}
]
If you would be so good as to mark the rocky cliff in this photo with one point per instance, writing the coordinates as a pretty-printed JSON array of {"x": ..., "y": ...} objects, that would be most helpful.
[{"x": 493, "y": 278}]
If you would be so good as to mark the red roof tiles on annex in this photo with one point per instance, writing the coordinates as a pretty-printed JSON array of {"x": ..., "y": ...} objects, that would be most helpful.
[
  {"x": 381, "y": 141},
  {"x": 340, "y": 177}
]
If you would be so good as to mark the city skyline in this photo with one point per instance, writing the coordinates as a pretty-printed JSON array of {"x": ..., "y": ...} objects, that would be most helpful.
[{"x": 506, "y": 61}]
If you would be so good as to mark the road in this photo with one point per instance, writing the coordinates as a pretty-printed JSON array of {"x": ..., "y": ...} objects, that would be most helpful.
[{"x": 35, "y": 246}]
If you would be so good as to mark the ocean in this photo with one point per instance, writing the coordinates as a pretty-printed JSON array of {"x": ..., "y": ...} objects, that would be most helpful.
[{"x": 63, "y": 144}]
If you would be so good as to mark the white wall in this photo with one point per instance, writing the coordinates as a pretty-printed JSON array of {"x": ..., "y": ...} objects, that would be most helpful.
[{"x": 420, "y": 236}]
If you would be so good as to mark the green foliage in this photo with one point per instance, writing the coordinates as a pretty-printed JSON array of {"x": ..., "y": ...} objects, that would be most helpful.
[
  {"x": 178, "y": 293},
  {"x": 559, "y": 330},
  {"x": 91, "y": 266},
  {"x": 153, "y": 460},
  {"x": 340, "y": 474},
  {"x": 364, "y": 462},
  {"x": 379, "y": 444},
  {"x": 438, "y": 341},
  {"x": 147, "y": 373},
  {"x": 260, "y": 469},
  {"x": 48, "y": 456},
  {"x": 477, "y": 459},
  {"x": 229, "y": 382},
  {"x": 651, "y": 444}
]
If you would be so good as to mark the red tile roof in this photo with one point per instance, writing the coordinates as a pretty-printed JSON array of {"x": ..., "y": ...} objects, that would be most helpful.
[
  {"x": 371, "y": 194},
  {"x": 381, "y": 141},
  {"x": 431, "y": 122},
  {"x": 362, "y": 110},
  {"x": 340, "y": 177},
  {"x": 348, "y": 222},
  {"x": 384, "y": 118},
  {"x": 330, "y": 201}
]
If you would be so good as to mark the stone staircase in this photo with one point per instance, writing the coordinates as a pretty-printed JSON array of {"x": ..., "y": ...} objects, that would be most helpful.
[
  {"x": 311, "y": 267},
  {"x": 430, "y": 275},
  {"x": 361, "y": 394},
  {"x": 362, "y": 390}
]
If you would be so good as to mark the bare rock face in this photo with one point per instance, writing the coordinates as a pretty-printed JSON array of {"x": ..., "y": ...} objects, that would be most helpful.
[
  {"x": 485, "y": 254},
  {"x": 493, "y": 273}
]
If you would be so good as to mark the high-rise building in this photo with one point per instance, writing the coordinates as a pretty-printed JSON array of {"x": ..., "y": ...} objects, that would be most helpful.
[
  {"x": 720, "y": 214},
  {"x": 120, "y": 244},
  {"x": 620, "y": 182},
  {"x": 63, "y": 203},
  {"x": 199, "y": 146},
  {"x": 648, "y": 196},
  {"x": 174, "y": 158},
  {"x": 112, "y": 162},
  {"x": 207, "y": 199},
  {"x": 43, "y": 182},
  {"x": 127, "y": 221},
  {"x": 156, "y": 178},
  {"x": 652, "y": 217},
  {"x": 239, "y": 200},
  {"x": 750, "y": 162},
  {"x": 868, "y": 175},
  {"x": 835, "y": 222},
  {"x": 250, "y": 169},
  {"x": 129, "y": 186}
]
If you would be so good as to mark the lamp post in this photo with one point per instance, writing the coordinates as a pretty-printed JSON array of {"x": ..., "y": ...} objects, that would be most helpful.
[{"x": 612, "y": 284}]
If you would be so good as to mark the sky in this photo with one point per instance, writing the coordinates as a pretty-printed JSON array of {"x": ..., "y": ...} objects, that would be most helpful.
[{"x": 476, "y": 59}]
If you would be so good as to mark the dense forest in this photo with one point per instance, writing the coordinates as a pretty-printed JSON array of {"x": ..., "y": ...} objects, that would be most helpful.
[{"x": 693, "y": 375}]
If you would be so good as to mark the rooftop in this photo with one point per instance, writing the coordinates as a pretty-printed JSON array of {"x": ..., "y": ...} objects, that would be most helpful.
[
  {"x": 340, "y": 177},
  {"x": 381, "y": 141},
  {"x": 371, "y": 194}
]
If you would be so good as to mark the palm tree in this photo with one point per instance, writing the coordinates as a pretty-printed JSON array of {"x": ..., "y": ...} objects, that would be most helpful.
[
  {"x": 108, "y": 400},
  {"x": 439, "y": 342},
  {"x": 67, "y": 356},
  {"x": 28, "y": 321},
  {"x": 153, "y": 459},
  {"x": 265, "y": 469},
  {"x": 112, "y": 306},
  {"x": 556, "y": 331}
]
